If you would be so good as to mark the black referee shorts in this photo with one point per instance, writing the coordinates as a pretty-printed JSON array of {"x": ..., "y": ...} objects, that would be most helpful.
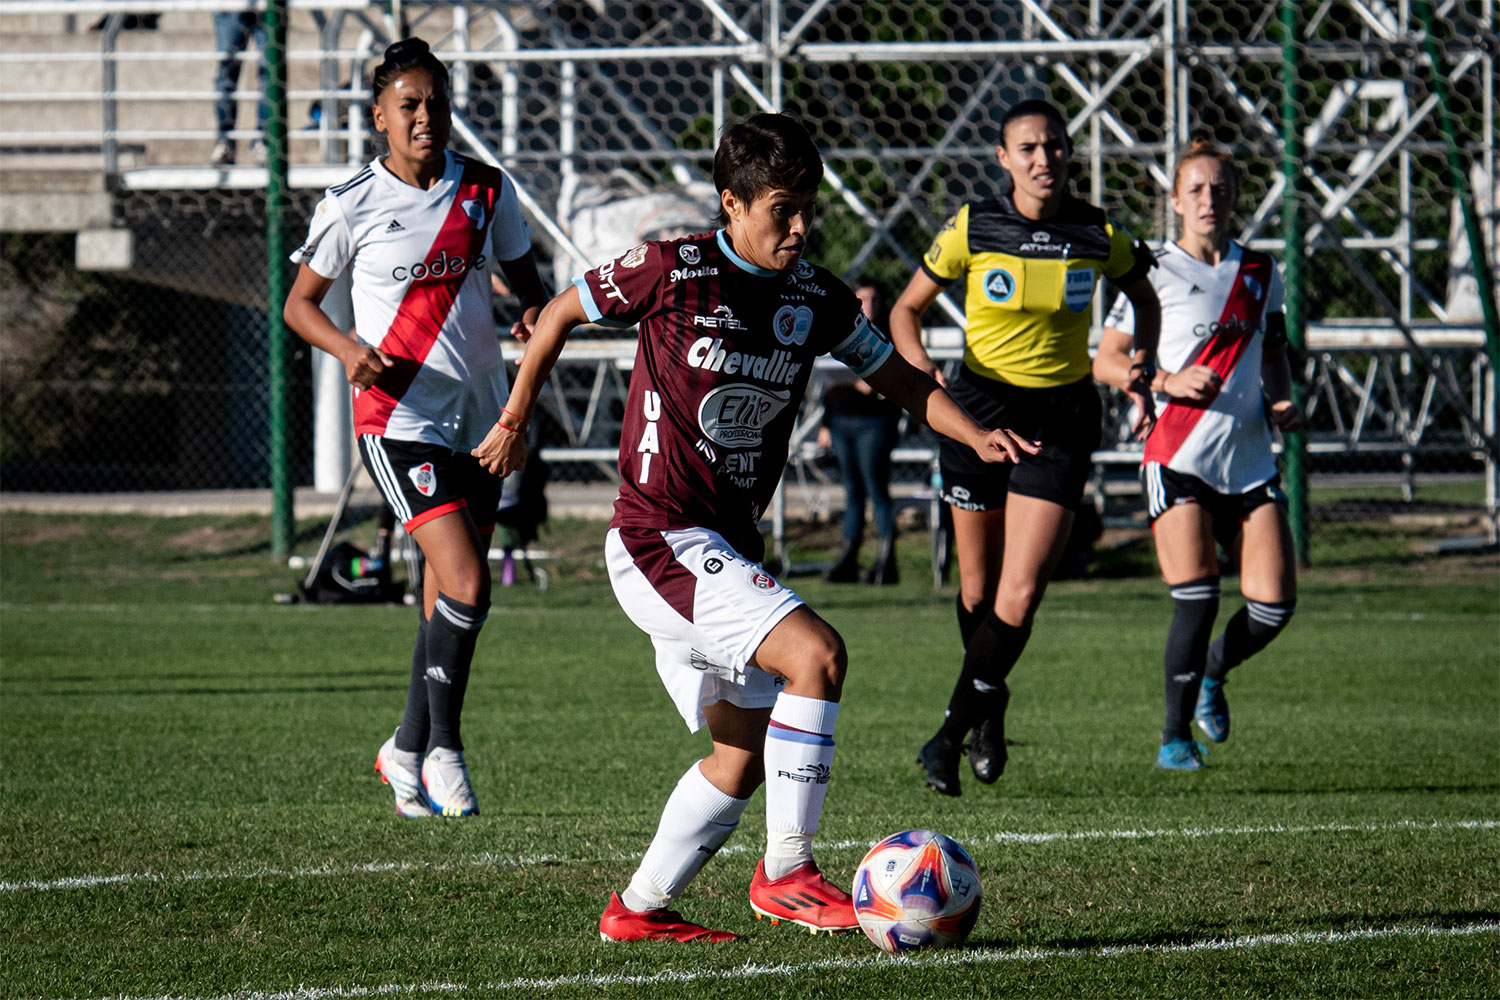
[{"x": 1065, "y": 419}]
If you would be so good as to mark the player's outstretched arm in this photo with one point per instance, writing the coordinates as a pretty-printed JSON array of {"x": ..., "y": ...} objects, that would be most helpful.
[
  {"x": 304, "y": 313},
  {"x": 503, "y": 449},
  {"x": 916, "y": 392}
]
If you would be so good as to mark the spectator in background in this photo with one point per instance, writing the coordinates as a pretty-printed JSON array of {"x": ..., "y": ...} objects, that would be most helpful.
[
  {"x": 232, "y": 33},
  {"x": 859, "y": 425}
]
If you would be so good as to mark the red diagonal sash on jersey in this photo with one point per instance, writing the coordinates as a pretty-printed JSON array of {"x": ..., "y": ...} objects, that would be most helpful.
[
  {"x": 1223, "y": 349},
  {"x": 425, "y": 307}
]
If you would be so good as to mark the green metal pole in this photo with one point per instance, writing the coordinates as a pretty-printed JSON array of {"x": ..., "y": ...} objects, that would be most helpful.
[
  {"x": 276, "y": 208},
  {"x": 1460, "y": 181},
  {"x": 1291, "y": 257}
]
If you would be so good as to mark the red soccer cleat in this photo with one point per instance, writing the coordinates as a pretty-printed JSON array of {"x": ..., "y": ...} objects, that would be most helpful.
[
  {"x": 621, "y": 923},
  {"x": 804, "y": 897}
]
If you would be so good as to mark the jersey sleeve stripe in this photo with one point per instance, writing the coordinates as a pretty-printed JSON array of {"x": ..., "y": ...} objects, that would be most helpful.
[
  {"x": 937, "y": 278},
  {"x": 586, "y": 299}
]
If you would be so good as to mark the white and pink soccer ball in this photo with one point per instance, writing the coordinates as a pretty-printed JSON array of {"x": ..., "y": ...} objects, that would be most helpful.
[{"x": 916, "y": 889}]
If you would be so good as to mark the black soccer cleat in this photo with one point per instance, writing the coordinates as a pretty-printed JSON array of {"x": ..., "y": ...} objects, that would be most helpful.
[
  {"x": 987, "y": 753},
  {"x": 940, "y": 758}
]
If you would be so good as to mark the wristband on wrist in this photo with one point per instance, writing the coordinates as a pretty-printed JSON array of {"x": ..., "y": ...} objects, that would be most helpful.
[
  {"x": 514, "y": 416},
  {"x": 507, "y": 427}
]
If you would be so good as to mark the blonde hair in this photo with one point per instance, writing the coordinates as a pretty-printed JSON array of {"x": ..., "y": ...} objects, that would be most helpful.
[{"x": 1206, "y": 148}]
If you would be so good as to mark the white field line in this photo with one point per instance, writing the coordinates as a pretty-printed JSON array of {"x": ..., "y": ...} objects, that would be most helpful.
[
  {"x": 1058, "y": 613},
  {"x": 489, "y": 860},
  {"x": 928, "y": 960}
]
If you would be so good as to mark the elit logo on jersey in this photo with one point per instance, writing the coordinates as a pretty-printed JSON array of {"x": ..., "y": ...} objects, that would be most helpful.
[
  {"x": 792, "y": 324},
  {"x": 735, "y": 416},
  {"x": 999, "y": 285},
  {"x": 424, "y": 478}
]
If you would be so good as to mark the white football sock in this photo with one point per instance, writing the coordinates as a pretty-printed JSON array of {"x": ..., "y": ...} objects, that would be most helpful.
[
  {"x": 695, "y": 822},
  {"x": 799, "y": 757}
]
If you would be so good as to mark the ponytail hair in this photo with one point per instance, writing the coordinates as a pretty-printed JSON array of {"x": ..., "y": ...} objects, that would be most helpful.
[
  {"x": 1212, "y": 150},
  {"x": 407, "y": 54}
]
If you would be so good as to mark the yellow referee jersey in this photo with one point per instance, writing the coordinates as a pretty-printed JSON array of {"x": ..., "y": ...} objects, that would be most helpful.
[{"x": 1030, "y": 284}]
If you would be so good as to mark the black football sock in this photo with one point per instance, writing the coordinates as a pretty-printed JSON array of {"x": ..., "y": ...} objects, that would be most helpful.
[
  {"x": 412, "y": 736},
  {"x": 1195, "y": 604},
  {"x": 991, "y": 652},
  {"x": 1250, "y": 630},
  {"x": 969, "y": 619},
  {"x": 451, "y": 635}
]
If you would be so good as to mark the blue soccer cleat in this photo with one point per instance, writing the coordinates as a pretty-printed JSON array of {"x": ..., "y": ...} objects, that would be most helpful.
[
  {"x": 1212, "y": 713},
  {"x": 1181, "y": 755}
]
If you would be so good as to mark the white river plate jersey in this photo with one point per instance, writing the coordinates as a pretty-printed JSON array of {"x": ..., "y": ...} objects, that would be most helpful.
[
  {"x": 421, "y": 289},
  {"x": 1214, "y": 315}
]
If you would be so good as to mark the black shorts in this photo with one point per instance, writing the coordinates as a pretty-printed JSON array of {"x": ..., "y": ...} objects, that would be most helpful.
[
  {"x": 1166, "y": 489},
  {"x": 424, "y": 481},
  {"x": 1065, "y": 418}
]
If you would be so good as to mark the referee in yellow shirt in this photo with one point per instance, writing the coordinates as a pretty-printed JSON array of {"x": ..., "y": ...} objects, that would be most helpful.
[{"x": 1030, "y": 259}]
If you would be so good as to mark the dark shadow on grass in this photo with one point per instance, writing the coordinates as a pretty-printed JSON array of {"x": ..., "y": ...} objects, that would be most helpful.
[
  {"x": 1330, "y": 923},
  {"x": 169, "y": 692},
  {"x": 1491, "y": 787},
  {"x": 198, "y": 676}
]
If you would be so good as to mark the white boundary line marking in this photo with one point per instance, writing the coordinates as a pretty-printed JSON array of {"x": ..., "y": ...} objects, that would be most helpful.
[
  {"x": 975, "y": 957},
  {"x": 1058, "y": 613},
  {"x": 489, "y": 860}
]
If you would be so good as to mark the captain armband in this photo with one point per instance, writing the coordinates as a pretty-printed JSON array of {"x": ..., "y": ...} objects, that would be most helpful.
[{"x": 864, "y": 350}]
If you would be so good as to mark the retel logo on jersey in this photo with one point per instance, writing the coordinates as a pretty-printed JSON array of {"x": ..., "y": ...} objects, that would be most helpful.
[{"x": 424, "y": 478}]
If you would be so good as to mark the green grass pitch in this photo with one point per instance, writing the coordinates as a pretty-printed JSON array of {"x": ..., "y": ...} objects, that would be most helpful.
[{"x": 190, "y": 809}]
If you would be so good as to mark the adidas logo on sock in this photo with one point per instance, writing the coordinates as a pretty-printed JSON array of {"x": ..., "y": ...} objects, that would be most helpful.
[
  {"x": 1195, "y": 290},
  {"x": 395, "y": 227},
  {"x": 438, "y": 674}
]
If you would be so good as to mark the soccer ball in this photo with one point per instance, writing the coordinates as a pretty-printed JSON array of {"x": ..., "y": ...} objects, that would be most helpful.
[{"x": 916, "y": 889}]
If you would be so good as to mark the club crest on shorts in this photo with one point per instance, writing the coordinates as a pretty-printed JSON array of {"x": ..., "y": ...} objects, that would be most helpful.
[
  {"x": 424, "y": 478},
  {"x": 763, "y": 581}
]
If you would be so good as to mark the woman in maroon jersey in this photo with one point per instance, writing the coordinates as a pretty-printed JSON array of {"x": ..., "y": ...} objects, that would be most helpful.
[{"x": 729, "y": 325}]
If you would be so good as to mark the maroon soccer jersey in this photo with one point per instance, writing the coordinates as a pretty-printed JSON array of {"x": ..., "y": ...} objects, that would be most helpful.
[{"x": 724, "y": 353}]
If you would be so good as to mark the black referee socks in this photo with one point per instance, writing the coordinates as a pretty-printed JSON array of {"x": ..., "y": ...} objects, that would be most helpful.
[{"x": 989, "y": 655}]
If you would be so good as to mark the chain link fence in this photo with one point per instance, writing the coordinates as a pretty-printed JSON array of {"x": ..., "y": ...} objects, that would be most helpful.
[{"x": 153, "y": 375}]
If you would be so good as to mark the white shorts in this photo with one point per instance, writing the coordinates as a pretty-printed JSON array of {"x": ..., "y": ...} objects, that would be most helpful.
[{"x": 706, "y": 608}]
